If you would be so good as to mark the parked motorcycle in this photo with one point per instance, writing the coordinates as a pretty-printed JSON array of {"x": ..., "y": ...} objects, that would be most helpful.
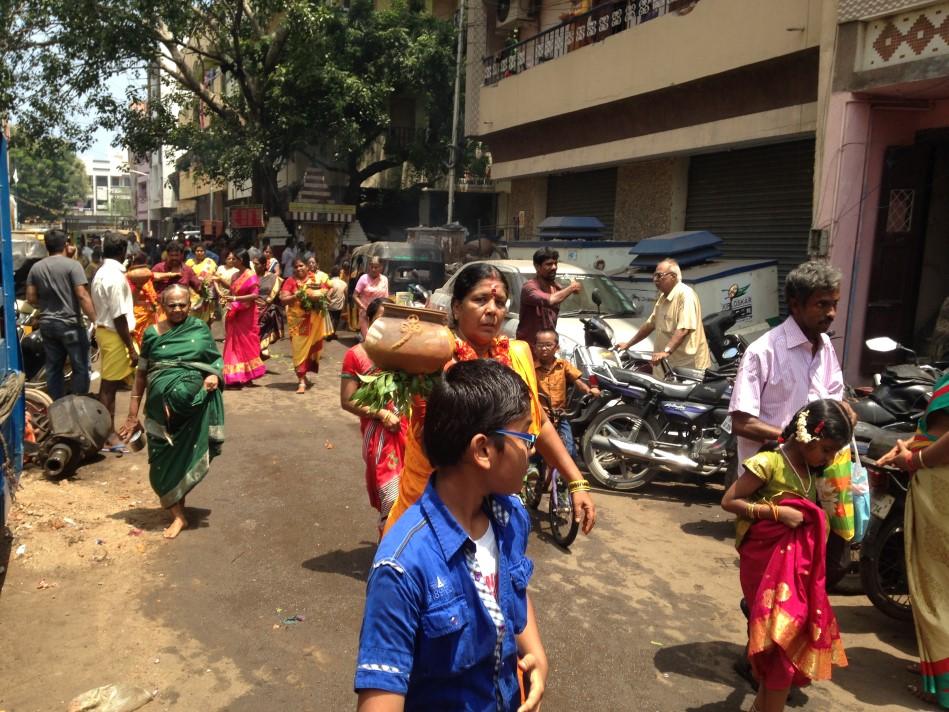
[
  {"x": 882, "y": 558},
  {"x": 658, "y": 426},
  {"x": 900, "y": 392},
  {"x": 679, "y": 424}
]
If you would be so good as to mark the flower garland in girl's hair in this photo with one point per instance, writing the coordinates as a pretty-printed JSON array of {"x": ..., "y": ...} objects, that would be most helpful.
[{"x": 500, "y": 351}]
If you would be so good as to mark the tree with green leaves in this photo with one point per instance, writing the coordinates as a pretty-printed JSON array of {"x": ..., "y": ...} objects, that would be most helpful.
[
  {"x": 50, "y": 177},
  {"x": 258, "y": 81}
]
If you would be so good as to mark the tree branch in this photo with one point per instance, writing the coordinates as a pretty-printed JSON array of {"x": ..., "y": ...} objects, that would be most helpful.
[{"x": 377, "y": 167}]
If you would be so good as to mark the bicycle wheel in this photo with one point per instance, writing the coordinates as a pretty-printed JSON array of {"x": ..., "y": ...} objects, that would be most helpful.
[
  {"x": 563, "y": 527},
  {"x": 532, "y": 488}
]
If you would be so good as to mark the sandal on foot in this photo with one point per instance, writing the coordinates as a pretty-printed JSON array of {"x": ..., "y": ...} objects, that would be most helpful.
[
  {"x": 118, "y": 449},
  {"x": 920, "y": 694},
  {"x": 914, "y": 668}
]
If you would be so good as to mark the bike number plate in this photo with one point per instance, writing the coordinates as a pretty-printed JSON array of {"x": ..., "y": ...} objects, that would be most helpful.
[
  {"x": 727, "y": 425},
  {"x": 881, "y": 506}
]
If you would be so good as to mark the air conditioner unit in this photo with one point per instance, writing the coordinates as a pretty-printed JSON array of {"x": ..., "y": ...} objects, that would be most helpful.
[{"x": 511, "y": 13}]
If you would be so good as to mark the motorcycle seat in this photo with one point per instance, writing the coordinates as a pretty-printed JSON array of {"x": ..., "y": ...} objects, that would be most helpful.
[
  {"x": 690, "y": 374},
  {"x": 679, "y": 391},
  {"x": 905, "y": 374},
  {"x": 670, "y": 390},
  {"x": 709, "y": 391}
]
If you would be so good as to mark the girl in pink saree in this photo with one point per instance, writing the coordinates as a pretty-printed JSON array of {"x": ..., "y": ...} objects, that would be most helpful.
[
  {"x": 242, "y": 363},
  {"x": 793, "y": 636}
]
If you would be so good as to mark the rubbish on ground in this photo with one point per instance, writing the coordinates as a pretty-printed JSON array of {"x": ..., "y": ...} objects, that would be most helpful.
[
  {"x": 100, "y": 542},
  {"x": 656, "y": 642},
  {"x": 100, "y": 555},
  {"x": 44, "y": 584},
  {"x": 69, "y": 521},
  {"x": 20, "y": 550},
  {"x": 135, "y": 532},
  {"x": 276, "y": 626},
  {"x": 111, "y": 698},
  {"x": 328, "y": 445},
  {"x": 294, "y": 619}
]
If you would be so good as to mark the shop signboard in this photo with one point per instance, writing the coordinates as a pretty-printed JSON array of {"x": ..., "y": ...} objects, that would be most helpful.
[{"x": 246, "y": 216}]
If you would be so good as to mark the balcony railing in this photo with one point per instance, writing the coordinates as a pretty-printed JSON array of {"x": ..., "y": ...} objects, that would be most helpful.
[{"x": 606, "y": 19}]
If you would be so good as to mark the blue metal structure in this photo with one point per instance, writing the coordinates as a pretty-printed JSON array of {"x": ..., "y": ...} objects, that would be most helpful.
[{"x": 12, "y": 427}]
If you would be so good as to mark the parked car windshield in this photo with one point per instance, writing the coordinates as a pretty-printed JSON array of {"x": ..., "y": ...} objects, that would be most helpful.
[{"x": 614, "y": 302}]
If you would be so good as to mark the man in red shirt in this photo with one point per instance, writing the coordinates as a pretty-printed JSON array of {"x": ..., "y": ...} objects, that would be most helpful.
[
  {"x": 173, "y": 270},
  {"x": 541, "y": 297}
]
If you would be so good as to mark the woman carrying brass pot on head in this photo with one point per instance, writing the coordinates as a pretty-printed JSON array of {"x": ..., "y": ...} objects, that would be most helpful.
[
  {"x": 479, "y": 303},
  {"x": 303, "y": 297}
]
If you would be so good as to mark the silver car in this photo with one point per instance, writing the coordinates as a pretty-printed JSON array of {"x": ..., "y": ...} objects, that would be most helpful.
[{"x": 619, "y": 311}]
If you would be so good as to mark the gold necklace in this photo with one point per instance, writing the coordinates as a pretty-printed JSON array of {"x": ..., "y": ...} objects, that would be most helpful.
[{"x": 800, "y": 481}]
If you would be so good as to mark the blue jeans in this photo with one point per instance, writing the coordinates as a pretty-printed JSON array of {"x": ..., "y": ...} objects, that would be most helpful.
[
  {"x": 61, "y": 341},
  {"x": 566, "y": 434}
]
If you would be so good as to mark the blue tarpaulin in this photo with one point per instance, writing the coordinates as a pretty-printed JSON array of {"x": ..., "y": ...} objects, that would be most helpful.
[{"x": 11, "y": 457}]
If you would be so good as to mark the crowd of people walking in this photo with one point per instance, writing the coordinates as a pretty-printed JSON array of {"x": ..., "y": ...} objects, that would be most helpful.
[{"x": 441, "y": 473}]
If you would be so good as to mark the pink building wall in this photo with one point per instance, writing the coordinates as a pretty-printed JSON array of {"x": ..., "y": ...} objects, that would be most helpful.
[{"x": 858, "y": 131}]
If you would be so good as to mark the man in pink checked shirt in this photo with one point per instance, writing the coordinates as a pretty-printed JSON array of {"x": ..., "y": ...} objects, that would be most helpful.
[{"x": 792, "y": 364}]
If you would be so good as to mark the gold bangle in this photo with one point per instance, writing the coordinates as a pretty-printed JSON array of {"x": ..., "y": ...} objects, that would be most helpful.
[
  {"x": 578, "y": 486},
  {"x": 919, "y": 458},
  {"x": 774, "y": 510},
  {"x": 750, "y": 511}
]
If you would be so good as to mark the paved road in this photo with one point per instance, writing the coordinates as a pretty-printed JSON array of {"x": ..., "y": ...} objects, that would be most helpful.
[{"x": 641, "y": 615}]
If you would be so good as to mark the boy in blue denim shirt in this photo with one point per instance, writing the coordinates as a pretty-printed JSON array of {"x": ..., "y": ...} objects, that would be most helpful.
[{"x": 448, "y": 621}]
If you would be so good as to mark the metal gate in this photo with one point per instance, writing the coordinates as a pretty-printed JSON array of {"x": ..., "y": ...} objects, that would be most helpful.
[
  {"x": 758, "y": 200},
  {"x": 584, "y": 194}
]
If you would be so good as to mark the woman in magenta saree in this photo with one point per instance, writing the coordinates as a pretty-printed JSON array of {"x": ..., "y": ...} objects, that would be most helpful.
[
  {"x": 242, "y": 363},
  {"x": 793, "y": 636}
]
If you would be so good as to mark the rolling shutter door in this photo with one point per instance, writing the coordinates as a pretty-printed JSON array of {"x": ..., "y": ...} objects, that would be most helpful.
[
  {"x": 584, "y": 194},
  {"x": 758, "y": 200}
]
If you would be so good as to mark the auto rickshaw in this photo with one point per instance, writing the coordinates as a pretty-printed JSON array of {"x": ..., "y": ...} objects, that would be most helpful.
[{"x": 403, "y": 264}]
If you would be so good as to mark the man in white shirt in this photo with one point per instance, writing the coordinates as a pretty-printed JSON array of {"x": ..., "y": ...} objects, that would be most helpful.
[
  {"x": 115, "y": 322},
  {"x": 676, "y": 320}
]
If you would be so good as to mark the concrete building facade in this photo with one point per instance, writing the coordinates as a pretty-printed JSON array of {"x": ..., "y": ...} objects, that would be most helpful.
[{"x": 790, "y": 128}]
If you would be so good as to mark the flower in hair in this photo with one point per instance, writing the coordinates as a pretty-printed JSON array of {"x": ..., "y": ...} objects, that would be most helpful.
[
  {"x": 800, "y": 427},
  {"x": 819, "y": 427}
]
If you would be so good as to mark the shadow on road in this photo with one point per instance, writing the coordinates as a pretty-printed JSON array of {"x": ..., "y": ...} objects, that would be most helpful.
[
  {"x": 282, "y": 385},
  {"x": 6, "y": 546},
  {"x": 712, "y": 662},
  {"x": 154, "y": 519},
  {"x": 862, "y": 678},
  {"x": 719, "y": 529},
  {"x": 688, "y": 494},
  {"x": 354, "y": 563},
  {"x": 867, "y": 619}
]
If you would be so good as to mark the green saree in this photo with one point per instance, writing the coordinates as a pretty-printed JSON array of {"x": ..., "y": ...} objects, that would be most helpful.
[{"x": 183, "y": 421}]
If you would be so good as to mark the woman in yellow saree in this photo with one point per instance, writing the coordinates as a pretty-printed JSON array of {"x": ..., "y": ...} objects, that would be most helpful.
[
  {"x": 303, "y": 296},
  {"x": 204, "y": 301},
  {"x": 926, "y": 538}
]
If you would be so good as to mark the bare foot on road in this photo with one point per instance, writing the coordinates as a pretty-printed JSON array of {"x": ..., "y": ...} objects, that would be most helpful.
[{"x": 174, "y": 529}]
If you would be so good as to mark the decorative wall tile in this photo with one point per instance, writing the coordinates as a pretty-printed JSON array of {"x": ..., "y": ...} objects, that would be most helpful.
[{"x": 905, "y": 38}]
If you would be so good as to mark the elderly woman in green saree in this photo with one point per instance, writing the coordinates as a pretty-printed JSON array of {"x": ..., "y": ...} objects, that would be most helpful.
[{"x": 180, "y": 366}]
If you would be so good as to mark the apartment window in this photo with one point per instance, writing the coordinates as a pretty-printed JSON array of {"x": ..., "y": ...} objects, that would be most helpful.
[{"x": 102, "y": 181}]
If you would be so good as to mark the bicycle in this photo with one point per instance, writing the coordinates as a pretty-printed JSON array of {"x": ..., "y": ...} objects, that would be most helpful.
[{"x": 543, "y": 478}]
